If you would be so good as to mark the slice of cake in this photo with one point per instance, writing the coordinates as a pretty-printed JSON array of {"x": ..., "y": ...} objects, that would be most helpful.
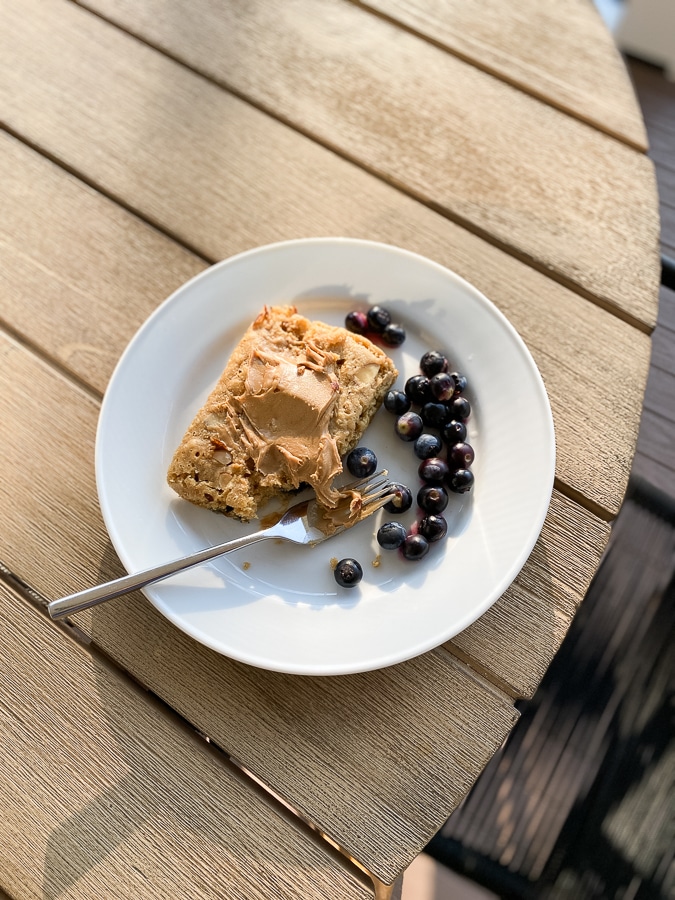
[{"x": 293, "y": 399}]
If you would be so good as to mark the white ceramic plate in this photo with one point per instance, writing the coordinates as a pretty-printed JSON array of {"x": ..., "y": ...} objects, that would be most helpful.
[{"x": 278, "y": 606}]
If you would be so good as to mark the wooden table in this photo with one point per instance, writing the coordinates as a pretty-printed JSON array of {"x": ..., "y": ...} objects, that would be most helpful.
[{"x": 145, "y": 141}]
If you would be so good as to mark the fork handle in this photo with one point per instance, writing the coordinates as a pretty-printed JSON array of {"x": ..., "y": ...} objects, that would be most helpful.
[{"x": 111, "y": 589}]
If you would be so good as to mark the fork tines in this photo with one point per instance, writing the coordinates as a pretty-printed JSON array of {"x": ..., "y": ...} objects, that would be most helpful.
[{"x": 375, "y": 491}]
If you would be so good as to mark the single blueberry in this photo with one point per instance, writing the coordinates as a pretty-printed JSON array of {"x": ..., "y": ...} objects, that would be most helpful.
[
  {"x": 432, "y": 498},
  {"x": 427, "y": 445},
  {"x": 433, "y": 528},
  {"x": 433, "y": 362},
  {"x": 434, "y": 414},
  {"x": 378, "y": 318},
  {"x": 356, "y": 322},
  {"x": 442, "y": 386},
  {"x": 391, "y": 535},
  {"x": 454, "y": 432},
  {"x": 361, "y": 462},
  {"x": 417, "y": 388},
  {"x": 393, "y": 334},
  {"x": 409, "y": 426},
  {"x": 415, "y": 547},
  {"x": 433, "y": 471},
  {"x": 396, "y": 402},
  {"x": 459, "y": 408},
  {"x": 460, "y": 455},
  {"x": 348, "y": 573},
  {"x": 460, "y": 481},
  {"x": 402, "y": 499},
  {"x": 460, "y": 382}
]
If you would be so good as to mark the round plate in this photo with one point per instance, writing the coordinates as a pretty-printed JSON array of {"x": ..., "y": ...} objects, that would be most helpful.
[{"x": 277, "y": 605}]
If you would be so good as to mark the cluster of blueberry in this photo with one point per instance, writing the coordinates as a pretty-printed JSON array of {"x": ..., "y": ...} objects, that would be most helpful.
[
  {"x": 377, "y": 321},
  {"x": 442, "y": 408},
  {"x": 437, "y": 396}
]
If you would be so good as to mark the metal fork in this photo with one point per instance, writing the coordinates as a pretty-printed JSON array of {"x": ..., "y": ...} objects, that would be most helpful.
[{"x": 301, "y": 524}]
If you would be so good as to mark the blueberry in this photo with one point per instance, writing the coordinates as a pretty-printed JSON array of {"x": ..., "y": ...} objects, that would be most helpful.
[
  {"x": 427, "y": 445},
  {"x": 460, "y": 408},
  {"x": 442, "y": 386},
  {"x": 356, "y": 322},
  {"x": 433, "y": 362},
  {"x": 435, "y": 415},
  {"x": 393, "y": 334},
  {"x": 402, "y": 499},
  {"x": 391, "y": 535},
  {"x": 454, "y": 432},
  {"x": 348, "y": 573},
  {"x": 460, "y": 481},
  {"x": 460, "y": 455},
  {"x": 396, "y": 402},
  {"x": 432, "y": 498},
  {"x": 378, "y": 318},
  {"x": 433, "y": 470},
  {"x": 415, "y": 546},
  {"x": 433, "y": 528},
  {"x": 361, "y": 462},
  {"x": 418, "y": 390},
  {"x": 409, "y": 426},
  {"x": 460, "y": 381}
]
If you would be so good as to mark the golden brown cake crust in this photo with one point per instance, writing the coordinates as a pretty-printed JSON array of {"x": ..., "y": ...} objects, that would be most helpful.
[{"x": 295, "y": 396}]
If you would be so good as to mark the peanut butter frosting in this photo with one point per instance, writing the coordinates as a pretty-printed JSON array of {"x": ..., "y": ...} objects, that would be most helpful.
[
  {"x": 282, "y": 417},
  {"x": 294, "y": 398}
]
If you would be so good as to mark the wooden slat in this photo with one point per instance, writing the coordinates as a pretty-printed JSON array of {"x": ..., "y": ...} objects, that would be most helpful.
[
  {"x": 105, "y": 794},
  {"x": 82, "y": 307},
  {"x": 527, "y": 175},
  {"x": 561, "y": 52},
  {"x": 383, "y": 806},
  {"x": 79, "y": 274},
  {"x": 573, "y": 539}
]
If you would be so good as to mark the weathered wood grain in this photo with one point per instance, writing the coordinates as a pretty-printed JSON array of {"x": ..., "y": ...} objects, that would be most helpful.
[
  {"x": 568, "y": 199},
  {"x": 105, "y": 794},
  {"x": 79, "y": 275},
  {"x": 561, "y": 52},
  {"x": 382, "y": 802}
]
